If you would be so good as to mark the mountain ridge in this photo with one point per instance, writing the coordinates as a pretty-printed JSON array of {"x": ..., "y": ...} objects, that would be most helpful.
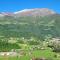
[{"x": 30, "y": 12}]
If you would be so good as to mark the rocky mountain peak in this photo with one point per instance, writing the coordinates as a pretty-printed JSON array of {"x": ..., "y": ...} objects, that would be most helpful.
[{"x": 35, "y": 12}]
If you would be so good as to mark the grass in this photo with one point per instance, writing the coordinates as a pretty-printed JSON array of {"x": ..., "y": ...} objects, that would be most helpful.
[
  {"x": 37, "y": 53},
  {"x": 47, "y": 53}
]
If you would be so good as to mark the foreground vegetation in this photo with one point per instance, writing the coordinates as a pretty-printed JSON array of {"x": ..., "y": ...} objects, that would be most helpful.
[
  {"x": 36, "y": 54},
  {"x": 33, "y": 35},
  {"x": 31, "y": 48}
]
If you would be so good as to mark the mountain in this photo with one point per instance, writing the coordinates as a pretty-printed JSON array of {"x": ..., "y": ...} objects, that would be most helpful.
[
  {"x": 39, "y": 23},
  {"x": 30, "y": 12},
  {"x": 34, "y": 12}
]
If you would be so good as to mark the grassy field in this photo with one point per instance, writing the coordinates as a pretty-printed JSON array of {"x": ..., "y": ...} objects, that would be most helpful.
[
  {"x": 36, "y": 53},
  {"x": 31, "y": 51}
]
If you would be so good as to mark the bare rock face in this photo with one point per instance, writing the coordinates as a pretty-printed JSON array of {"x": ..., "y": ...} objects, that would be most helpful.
[
  {"x": 29, "y": 12},
  {"x": 34, "y": 12}
]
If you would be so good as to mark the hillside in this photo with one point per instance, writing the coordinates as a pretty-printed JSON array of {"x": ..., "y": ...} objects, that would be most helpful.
[{"x": 30, "y": 26}]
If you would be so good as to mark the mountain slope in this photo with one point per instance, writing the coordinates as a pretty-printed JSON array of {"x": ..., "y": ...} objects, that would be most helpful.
[{"x": 40, "y": 26}]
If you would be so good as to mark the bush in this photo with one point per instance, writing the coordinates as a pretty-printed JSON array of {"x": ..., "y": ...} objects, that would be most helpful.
[
  {"x": 8, "y": 46},
  {"x": 33, "y": 43},
  {"x": 55, "y": 45}
]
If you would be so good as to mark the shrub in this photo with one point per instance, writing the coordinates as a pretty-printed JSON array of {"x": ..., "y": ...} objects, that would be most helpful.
[{"x": 8, "y": 46}]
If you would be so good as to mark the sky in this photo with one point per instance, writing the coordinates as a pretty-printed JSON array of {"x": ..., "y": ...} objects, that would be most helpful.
[{"x": 17, "y": 5}]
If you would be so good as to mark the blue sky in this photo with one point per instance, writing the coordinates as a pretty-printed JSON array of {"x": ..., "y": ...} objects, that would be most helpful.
[{"x": 16, "y": 5}]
